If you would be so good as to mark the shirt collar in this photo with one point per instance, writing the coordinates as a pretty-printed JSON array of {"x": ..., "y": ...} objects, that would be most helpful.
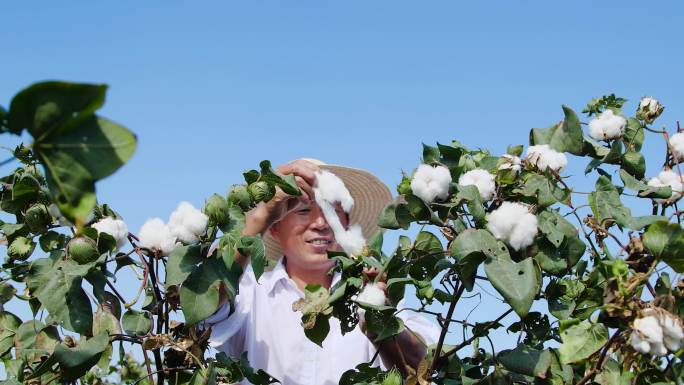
[{"x": 280, "y": 274}]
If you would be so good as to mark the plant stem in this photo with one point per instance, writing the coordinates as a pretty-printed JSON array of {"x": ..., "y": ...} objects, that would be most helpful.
[{"x": 445, "y": 327}]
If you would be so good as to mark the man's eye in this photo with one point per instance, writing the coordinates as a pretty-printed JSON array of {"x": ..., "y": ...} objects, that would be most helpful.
[{"x": 303, "y": 211}]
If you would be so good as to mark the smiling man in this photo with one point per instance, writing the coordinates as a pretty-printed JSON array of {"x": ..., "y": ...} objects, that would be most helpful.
[{"x": 296, "y": 233}]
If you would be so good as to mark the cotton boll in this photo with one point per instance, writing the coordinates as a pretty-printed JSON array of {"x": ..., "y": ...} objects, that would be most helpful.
[
  {"x": 429, "y": 183},
  {"x": 649, "y": 109},
  {"x": 672, "y": 331},
  {"x": 677, "y": 144},
  {"x": 188, "y": 223},
  {"x": 510, "y": 162},
  {"x": 352, "y": 240},
  {"x": 649, "y": 329},
  {"x": 638, "y": 344},
  {"x": 668, "y": 178},
  {"x": 331, "y": 188},
  {"x": 114, "y": 227},
  {"x": 607, "y": 126},
  {"x": 155, "y": 234},
  {"x": 514, "y": 224},
  {"x": 544, "y": 157},
  {"x": 482, "y": 179},
  {"x": 372, "y": 294}
]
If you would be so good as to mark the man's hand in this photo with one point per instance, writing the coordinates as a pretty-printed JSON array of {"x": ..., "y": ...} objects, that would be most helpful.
[{"x": 265, "y": 214}]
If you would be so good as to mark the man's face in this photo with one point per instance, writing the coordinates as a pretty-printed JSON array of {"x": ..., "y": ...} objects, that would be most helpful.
[{"x": 305, "y": 236}]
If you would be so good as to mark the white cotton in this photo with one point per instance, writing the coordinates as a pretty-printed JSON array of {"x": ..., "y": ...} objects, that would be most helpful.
[
  {"x": 114, "y": 227},
  {"x": 658, "y": 349},
  {"x": 155, "y": 234},
  {"x": 511, "y": 162},
  {"x": 607, "y": 126},
  {"x": 677, "y": 145},
  {"x": 482, "y": 179},
  {"x": 672, "y": 331},
  {"x": 638, "y": 344},
  {"x": 544, "y": 157},
  {"x": 330, "y": 189},
  {"x": 372, "y": 294},
  {"x": 649, "y": 329},
  {"x": 668, "y": 178},
  {"x": 187, "y": 223},
  {"x": 514, "y": 224},
  {"x": 429, "y": 183}
]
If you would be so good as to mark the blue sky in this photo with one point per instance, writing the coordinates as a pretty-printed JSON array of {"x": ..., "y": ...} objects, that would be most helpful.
[{"x": 211, "y": 88}]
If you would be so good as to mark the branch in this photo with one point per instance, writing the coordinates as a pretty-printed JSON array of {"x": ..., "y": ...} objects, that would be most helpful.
[
  {"x": 471, "y": 339},
  {"x": 445, "y": 327},
  {"x": 599, "y": 363}
]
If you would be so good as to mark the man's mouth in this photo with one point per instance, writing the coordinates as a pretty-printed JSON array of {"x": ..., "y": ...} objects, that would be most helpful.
[{"x": 320, "y": 241}]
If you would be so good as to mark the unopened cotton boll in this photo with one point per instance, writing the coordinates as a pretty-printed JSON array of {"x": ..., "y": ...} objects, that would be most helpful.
[
  {"x": 514, "y": 224},
  {"x": 114, "y": 227},
  {"x": 544, "y": 157},
  {"x": 668, "y": 178},
  {"x": 188, "y": 223},
  {"x": 430, "y": 183},
  {"x": 510, "y": 162},
  {"x": 607, "y": 126},
  {"x": 482, "y": 179},
  {"x": 677, "y": 145},
  {"x": 155, "y": 234}
]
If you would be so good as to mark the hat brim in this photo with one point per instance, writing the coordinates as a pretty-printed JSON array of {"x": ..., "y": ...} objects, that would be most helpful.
[{"x": 370, "y": 198}]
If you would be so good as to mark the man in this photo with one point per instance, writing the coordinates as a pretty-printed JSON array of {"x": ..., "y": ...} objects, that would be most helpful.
[{"x": 297, "y": 234}]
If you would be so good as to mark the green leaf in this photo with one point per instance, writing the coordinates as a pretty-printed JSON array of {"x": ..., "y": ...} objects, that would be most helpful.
[
  {"x": 607, "y": 208},
  {"x": 634, "y": 163},
  {"x": 199, "y": 295},
  {"x": 316, "y": 311},
  {"x": 76, "y": 158},
  {"x": 44, "y": 107},
  {"x": 58, "y": 287},
  {"x": 7, "y": 292},
  {"x": 181, "y": 263},
  {"x": 525, "y": 360},
  {"x": 76, "y": 361},
  {"x": 137, "y": 323},
  {"x": 547, "y": 191},
  {"x": 8, "y": 328},
  {"x": 666, "y": 242},
  {"x": 254, "y": 248},
  {"x": 430, "y": 154},
  {"x": 634, "y": 135},
  {"x": 286, "y": 183},
  {"x": 394, "y": 216},
  {"x": 471, "y": 195},
  {"x": 644, "y": 189},
  {"x": 470, "y": 249},
  {"x": 581, "y": 341},
  {"x": 383, "y": 323},
  {"x": 565, "y": 136}
]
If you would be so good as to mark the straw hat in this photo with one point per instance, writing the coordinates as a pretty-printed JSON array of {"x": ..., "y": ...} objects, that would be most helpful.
[{"x": 370, "y": 197}]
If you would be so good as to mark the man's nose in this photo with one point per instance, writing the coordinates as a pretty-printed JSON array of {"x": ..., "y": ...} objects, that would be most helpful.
[{"x": 318, "y": 219}]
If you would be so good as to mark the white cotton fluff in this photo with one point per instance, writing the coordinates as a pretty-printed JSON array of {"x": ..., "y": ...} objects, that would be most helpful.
[
  {"x": 371, "y": 294},
  {"x": 607, "y": 126},
  {"x": 668, "y": 178},
  {"x": 187, "y": 223},
  {"x": 482, "y": 179},
  {"x": 114, "y": 227},
  {"x": 544, "y": 157},
  {"x": 514, "y": 224},
  {"x": 647, "y": 336},
  {"x": 330, "y": 189},
  {"x": 155, "y": 234},
  {"x": 511, "y": 162},
  {"x": 429, "y": 182},
  {"x": 677, "y": 144},
  {"x": 672, "y": 332}
]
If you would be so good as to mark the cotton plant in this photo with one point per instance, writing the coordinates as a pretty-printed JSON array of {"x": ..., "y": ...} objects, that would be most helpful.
[
  {"x": 649, "y": 109},
  {"x": 115, "y": 227},
  {"x": 546, "y": 158},
  {"x": 156, "y": 235},
  {"x": 371, "y": 294},
  {"x": 511, "y": 162},
  {"x": 677, "y": 145},
  {"x": 483, "y": 180},
  {"x": 657, "y": 332},
  {"x": 431, "y": 182},
  {"x": 329, "y": 190},
  {"x": 668, "y": 178},
  {"x": 513, "y": 223},
  {"x": 607, "y": 126},
  {"x": 187, "y": 223}
]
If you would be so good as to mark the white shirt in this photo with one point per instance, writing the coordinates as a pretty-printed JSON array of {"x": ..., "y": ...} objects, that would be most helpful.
[{"x": 265, "y": 326}]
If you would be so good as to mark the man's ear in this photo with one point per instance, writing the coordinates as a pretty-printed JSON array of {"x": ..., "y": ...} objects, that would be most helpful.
[{"x": 274, "y": 230}]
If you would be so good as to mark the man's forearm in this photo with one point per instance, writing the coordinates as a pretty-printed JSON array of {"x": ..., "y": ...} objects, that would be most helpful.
[{"x": 402, "y": 350}]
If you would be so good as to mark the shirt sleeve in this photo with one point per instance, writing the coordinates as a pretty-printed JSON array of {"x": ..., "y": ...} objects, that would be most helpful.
[
  {"x": 229, "y": 328},
  {"x": 418, "y": 324}
]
